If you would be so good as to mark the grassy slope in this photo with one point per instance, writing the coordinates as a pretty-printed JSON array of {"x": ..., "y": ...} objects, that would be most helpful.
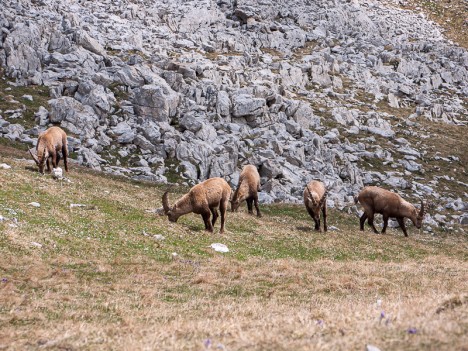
[
  {"x": 98, "y": 283},
  {"x": 451, "y": 15}
]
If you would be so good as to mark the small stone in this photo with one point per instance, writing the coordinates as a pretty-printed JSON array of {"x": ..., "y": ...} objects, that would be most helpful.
[
  {"x": 33, "y": 243},
  {"x": 4, "y": 166},
  {"x": 464, "y": 220},
  {"x": 57, "y": 173},
  {"x": 372, "y": 348},
  {"x": 77, "y": 205},
  {"x": 35, "y": 204},
  {"x": 219, "y": 247},
  {"x": 28, "y": 97}
]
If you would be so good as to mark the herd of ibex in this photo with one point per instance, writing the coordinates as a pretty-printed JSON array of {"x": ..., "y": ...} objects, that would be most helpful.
[{"x": 207, "y": 197}]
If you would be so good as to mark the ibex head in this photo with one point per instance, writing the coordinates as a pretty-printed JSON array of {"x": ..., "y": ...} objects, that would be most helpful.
[
  {"x": 169, "y": 211},
  {"x": 234, "y": 201},
  {"x": 40, "y": 158},
  {"x": 317, "y": 206}
]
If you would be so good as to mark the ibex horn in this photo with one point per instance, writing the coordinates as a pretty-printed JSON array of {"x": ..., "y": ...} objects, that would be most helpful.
[
  {"x": 165, "y": 202},
  {"x": 422, "y": 211},
  {"x": 311, "y": 197},
  {"x": 34, "y": 156},
  {"x": 324, "y": 197}
]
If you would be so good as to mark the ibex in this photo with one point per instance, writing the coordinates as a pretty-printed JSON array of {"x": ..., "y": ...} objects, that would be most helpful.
[
  {"x": 203, "y": 199},
  {"x": 377, "y": 200},
  {"x": 49, "y": 144},
  {"x": 315, "y": 199},
  {"x": 248, "y": 188}
]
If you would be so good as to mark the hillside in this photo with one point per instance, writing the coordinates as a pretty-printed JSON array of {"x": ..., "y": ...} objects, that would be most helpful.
[
  {"x": 158, "y": 94},
  {"x": 353, "y": 93},
  {"x": 100, "y": 276}
]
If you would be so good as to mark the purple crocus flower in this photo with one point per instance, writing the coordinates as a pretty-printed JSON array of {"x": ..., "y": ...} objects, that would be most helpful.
[
  {"x": 4, "y": 280},
  {"x": 207, "y": 343},
  {"x": 412, "y": 331}
]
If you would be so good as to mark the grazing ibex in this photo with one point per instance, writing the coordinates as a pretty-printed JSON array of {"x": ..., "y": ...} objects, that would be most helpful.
[
  {"x": 248, "y": 188},
  {"x": 49, "y": 144},
  {"x": 377, "y": 200},
  {"x": 315, "y": 199},
  {"x": 203, "y": 199}
]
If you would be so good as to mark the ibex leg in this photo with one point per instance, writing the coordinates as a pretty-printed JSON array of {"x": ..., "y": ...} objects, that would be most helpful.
[
  {"x": 214, "y": 212},
  {"x": 362, "y": 220},
  {"x": 371, "y": 223},
  {"x": 250, "y": 205},
  {"x": 65, "y": 156},
  {"x": 385, "y": 223},
  {"x": 206, "y": 218},
  {"x": 256, "y": 206},
  {"x": 54, "y": 159},
  {"x": 324, "y": 213},
  {"x": 401, "y": 222},
  {"x": 223, "y": 209}
]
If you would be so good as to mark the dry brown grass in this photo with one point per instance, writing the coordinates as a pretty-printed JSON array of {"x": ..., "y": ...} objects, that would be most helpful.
[
  {"x": 281, "y": 305},
  {"x": 452, "y": 15},
  {"x": 97, "y": 283}
]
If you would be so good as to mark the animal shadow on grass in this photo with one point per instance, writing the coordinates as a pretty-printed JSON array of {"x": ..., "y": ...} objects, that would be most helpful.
[
  {"x": 199, "y": 229},
  {"x": 304, "y": 228},
  {"x": 195, "y": 228},
  {"x": 31, "y": 169}
]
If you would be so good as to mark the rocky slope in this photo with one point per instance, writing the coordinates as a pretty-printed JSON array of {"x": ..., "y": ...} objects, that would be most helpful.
[{"x": 342, "y": 91}]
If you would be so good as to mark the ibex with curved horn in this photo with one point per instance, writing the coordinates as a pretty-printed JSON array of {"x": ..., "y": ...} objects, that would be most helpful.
[
  {"x": 49, "y": 144},
  {"x": 315, "y": 199},
  {"x": 377, "y": 200},
  {"x": 248, "y": 188},
  {"x": 203, "y": 199}
]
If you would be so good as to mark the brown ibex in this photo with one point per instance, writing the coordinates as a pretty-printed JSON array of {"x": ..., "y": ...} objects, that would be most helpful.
[
  {"x": 203, "y": 199},
  {"x": 248, "y": 188},
  {"x": 49, "y": 144},
  {"x": 377, "y": 200},
  {"x": 315, "y": 199}
]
